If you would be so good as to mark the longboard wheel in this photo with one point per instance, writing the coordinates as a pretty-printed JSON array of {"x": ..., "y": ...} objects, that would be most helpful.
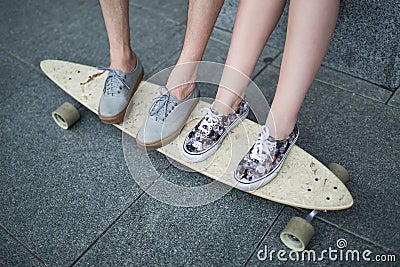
[
  {"x": 297, "y": 234},
  {"x": 65, "y": 115},
  {"x": 339, "y": 171}
]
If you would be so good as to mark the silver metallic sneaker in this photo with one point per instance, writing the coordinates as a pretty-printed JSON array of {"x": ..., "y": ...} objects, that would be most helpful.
[
  {"x": 206, "y": 137},
  {"x": 166, "y": 119},
  {"x": 263, "y": 161},
  {"x": 117, "y": 92}
]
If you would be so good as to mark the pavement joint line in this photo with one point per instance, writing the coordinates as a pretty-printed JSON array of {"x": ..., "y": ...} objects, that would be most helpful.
[
  {"x": 230, "y": 32},
  {"x": 320, "y": 218},
  {"x": 343, "y": 89},
  {"x": 352, "y": 92},
  {"x": 23, "y": 245},
  {"x": 223, "y": 29},
  {"x": 218, "y": 40},
  {"x": 116, "y": 219},
  {"x": 266, "y": 65},
  {"x": 259, "y": 72},
  {"x": 388, "y": 100},
  {"x": 357, "y": 235},
  {"x": 269, "y": 228},
  {"x": 355, "y": 77},
  {"x": 346, "y": 74},
  {"x": 135, "y": 5},
  {"x": 155, "y": 13},
  {"x": 15, "y": 56},
  {"x": 153, "y": 71}
]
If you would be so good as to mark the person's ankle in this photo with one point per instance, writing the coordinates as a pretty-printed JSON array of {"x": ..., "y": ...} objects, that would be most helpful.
[
  {"x": 280, "y": 132},
  {"x": 226, "y": 108},
  {"x": 182, "y": 91},
  {"x": 123, "y": 61},
  {"x": 182, "y": 79}
]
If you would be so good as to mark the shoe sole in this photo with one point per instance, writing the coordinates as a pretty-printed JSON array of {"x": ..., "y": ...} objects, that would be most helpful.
[
  {"x": 168, "y": 139},
  {"x": 120, "y": 116},
  {"x": 206, "y": 155}
]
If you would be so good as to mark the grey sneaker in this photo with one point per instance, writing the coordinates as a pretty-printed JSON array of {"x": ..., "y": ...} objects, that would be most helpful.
[
  {"x": 166, "y": 119},
  {"x": 206, "y": 137},
  {"x": 117, "y": 92},
  {"x": 263, "y": 161}
]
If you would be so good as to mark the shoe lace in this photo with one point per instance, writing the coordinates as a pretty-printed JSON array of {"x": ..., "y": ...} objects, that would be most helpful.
[
  {"x": 115, "y": 81},
  {"x": 263, "y": 147},
  {"x": 160, "y": 107},
  {"x": 209, "y": 121}
]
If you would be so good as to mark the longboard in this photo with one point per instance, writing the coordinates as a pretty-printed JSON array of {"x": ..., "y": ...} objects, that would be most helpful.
[{"x": 302, "y": 182}]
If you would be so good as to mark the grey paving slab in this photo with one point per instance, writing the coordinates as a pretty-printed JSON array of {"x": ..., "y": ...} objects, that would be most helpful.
[
  {"x": 366, "y": 48},
  {"x": 395, "y": 99},
  {"x": 14, "y": 254},
  {"x": 60, "y": 189},
  {"x": 362, "y": 44},
  {"x": 362, "y": 135},
  {"x": 344, "y": 248},
  {"x": 347, "y": 82},
  {"x": 154, "y": 38},
  {"x": 11, "y": 76},
  {"x": 65, "y": 30},
  {"x": 74, "y": 31},
  {"x": 173, "y": 10},
  {"x": 222, "y": 233}
]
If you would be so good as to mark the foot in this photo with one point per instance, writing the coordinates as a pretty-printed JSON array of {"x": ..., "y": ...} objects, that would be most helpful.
[
  {"x": 117, "y": 92},
  {"x": 166, "y": 119},
  {"x": 263, "y": 161},
  {"x": 206, "y": 137}
]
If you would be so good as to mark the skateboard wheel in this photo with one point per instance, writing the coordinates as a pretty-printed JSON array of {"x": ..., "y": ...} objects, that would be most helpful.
[
  {"x": 339, "y": 171},
  {"x": 65, "y": 115},
  {"x": 297, "y": 234}
]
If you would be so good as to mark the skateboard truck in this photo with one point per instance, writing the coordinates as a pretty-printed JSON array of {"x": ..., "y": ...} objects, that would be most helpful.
[
  {"x": 311, "y": 215},
  {"x": 298, "y": 232}
]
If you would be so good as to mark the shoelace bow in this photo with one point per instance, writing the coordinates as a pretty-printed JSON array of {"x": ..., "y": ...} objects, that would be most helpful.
[
  {"x": 210, "y": 119},
  {"x": 115, "y": 81},
  {"x": 263, "y": 144},
  {"x": 161, "y": 102}
]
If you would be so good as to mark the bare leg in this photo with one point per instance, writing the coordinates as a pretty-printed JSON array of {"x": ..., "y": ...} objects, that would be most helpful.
[
  {"x": 116, "y": 18},
  {"x": 202, "y": 15},
  {"x": 255, "y": 21},
  {"x": 310, "y": 27}
]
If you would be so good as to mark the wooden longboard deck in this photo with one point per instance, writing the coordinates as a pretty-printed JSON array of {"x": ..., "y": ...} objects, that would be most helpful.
[{"x": 302, "y": 181}]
